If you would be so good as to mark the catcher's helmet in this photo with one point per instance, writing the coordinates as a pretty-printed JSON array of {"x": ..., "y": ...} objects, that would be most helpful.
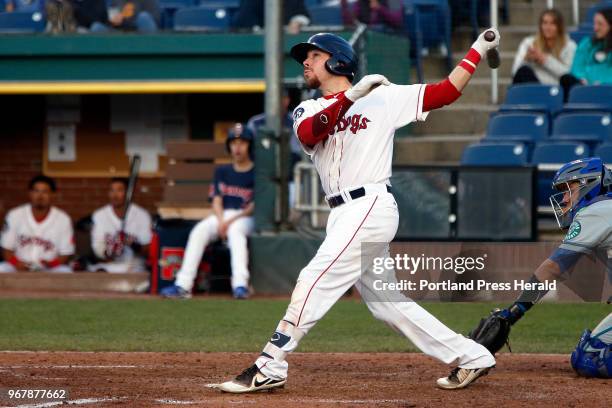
[
  {"x": 343, "y": 60},
  {"x": 239, "y": 131},
  {"x": 594, "y": 179}
]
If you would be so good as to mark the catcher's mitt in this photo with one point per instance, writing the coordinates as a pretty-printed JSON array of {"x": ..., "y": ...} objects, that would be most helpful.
[{"x": 492, "y": 331}]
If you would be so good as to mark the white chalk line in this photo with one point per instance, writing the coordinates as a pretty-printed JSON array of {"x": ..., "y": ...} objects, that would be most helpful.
[
  {"x": 82, "y": 401},
  {"x": 17, "y": 367},
  {"x": 300, "y": 401}
]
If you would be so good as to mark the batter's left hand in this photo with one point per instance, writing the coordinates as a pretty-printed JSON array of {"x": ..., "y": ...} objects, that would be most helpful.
[{"x": 365, "y": 86}]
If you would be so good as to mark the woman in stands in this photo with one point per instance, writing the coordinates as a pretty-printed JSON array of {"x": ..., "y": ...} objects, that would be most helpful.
[
  {"x": 544, "y": 57},
  {"x": 376, "y": 13},
  {"x": 593, "y": 60}
]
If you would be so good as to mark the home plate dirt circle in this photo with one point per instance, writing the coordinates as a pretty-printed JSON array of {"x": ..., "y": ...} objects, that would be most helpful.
[{"x": 109, "y": 379}]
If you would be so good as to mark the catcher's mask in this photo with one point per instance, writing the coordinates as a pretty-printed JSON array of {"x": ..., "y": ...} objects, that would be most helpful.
[{"x": 579, "y": 184}]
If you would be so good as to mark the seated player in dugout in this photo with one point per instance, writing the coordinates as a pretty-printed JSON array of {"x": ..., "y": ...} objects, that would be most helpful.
[
  {"x": 120, "y": 238},
  {"x": 37, "y": 236},
  {"x": 583, "y": 206},
  {"x": 232, "y": 219}
]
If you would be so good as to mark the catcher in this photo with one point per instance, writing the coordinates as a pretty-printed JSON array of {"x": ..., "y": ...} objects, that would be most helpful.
[{"x": 583, "y": 205}]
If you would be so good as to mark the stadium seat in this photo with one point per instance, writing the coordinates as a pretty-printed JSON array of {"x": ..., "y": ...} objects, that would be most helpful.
[
  {"x": 202, "y": 19},
  {"x": 581, "y": 33},
  {"x": 604, "y": 151},
  {"x": 532, "y": 97},
  {"x": 168, "y": 9},
  {"x": 603, "y": 4},
  {"x": 518, "y": 127},
  {"x": 559, "y": 152},
  {"x": 549, "y": 157},
  {"x": 495, "y": 154},
  {"x": 592, "y": 128},
  {"x": 326, "y": 15},
  {"x": 27, "y": 5},
  {"x": 22, "y": 22},
  {"x": 590, "y": 97},
  {"x": 428, "y": 24}
]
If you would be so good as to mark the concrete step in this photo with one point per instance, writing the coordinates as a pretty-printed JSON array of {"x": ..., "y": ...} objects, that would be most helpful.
[
  {"x": 528, "y": 12},
  {"x": 466, "y": 119},
  {"x": 434, "y": 67},
  {"x": 439, "y": 149},
  {"x": 511, "y": 37},
  {"x": 478, "y": 91}
]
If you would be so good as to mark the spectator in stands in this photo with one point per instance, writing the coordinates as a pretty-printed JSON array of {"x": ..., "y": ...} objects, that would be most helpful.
[
  {"x": 131, "y": 15},
  {"x": 593, "y": 60},
  {"x": 259, "y": 120},
  {"x": 385, "y": 13},
  {"x": 250, "y": 15},
  {"x": 88, "y": 12},
  {"x": 232, "y": 219},
  {"x": 120, "y": 251},
  {"x": 60, "y": 17},
  {"x": 37, "y": 236},
  {"x": 546, "y": 56}
]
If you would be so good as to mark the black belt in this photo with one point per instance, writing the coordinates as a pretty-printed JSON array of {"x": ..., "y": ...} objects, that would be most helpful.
[{"x": 338, "y": 200}]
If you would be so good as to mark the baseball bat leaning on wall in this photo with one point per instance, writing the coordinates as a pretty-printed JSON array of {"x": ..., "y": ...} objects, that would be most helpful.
[{"x": 129, "y": 193}]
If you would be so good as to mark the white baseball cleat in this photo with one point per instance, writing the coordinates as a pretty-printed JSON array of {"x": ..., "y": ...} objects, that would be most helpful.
[
  {"x": 251, "y": 380},
  {"x": 462, "y": 377}
]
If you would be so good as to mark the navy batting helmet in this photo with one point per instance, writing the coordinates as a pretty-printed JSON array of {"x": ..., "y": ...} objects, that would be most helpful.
[
  {"x": 343, "y": 60},
  {"x": 239, "y": 131}
]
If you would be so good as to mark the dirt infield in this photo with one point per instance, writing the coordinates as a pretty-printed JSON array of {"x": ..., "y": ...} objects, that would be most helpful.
[{"x": 382, "y": 379}]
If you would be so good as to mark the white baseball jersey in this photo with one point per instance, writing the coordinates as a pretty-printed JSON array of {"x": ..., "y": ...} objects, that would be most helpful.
[
  {"x": 107, "y": 225},
  {"x": 360, "y": 149},
  {"x": 33, "y": 241}
]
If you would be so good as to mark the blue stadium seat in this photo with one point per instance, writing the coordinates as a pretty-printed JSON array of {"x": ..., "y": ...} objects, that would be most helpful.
[
  {"x": 604, "y": 151},
  {"x": 27, "y": 5},
  {"x": 22, "y": 22},
  {"x": 534, "y": 97},
  {"x": 202, "y": 19},
  {"x": 590, "y": 97},
  {"x": 559, "y": 152},
  {"x": 518, "y": 127},
  {"x": 603, "y": 4},
  {"x": 554, "y": 155},
  {"x": 590, "y": 128},
  {"x": 428, "y": 24},
  {"x": 168, "y": 9},
  {"x": 495, "y": 154},
  {"x": 579, "y": 34},
  {"x": 326, "y": 15}
]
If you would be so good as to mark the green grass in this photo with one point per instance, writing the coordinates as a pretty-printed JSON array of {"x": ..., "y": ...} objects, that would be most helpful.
[{"x": 228, "y": 325}]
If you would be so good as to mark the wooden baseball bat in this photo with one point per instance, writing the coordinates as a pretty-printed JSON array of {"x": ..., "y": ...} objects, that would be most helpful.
[{"x": 129, "y": 193}]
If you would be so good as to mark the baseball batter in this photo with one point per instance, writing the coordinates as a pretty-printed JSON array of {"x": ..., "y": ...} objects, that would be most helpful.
[
  {"x": 37, "y": 236},
  {"x": 348, "y": 134},
  {"x": 583, "y": 206}
]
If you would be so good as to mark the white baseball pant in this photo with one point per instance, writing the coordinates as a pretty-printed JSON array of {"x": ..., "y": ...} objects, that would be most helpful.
[
  {"x": 337, "y": 266},
  {"x": 206, "y": 231}
]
